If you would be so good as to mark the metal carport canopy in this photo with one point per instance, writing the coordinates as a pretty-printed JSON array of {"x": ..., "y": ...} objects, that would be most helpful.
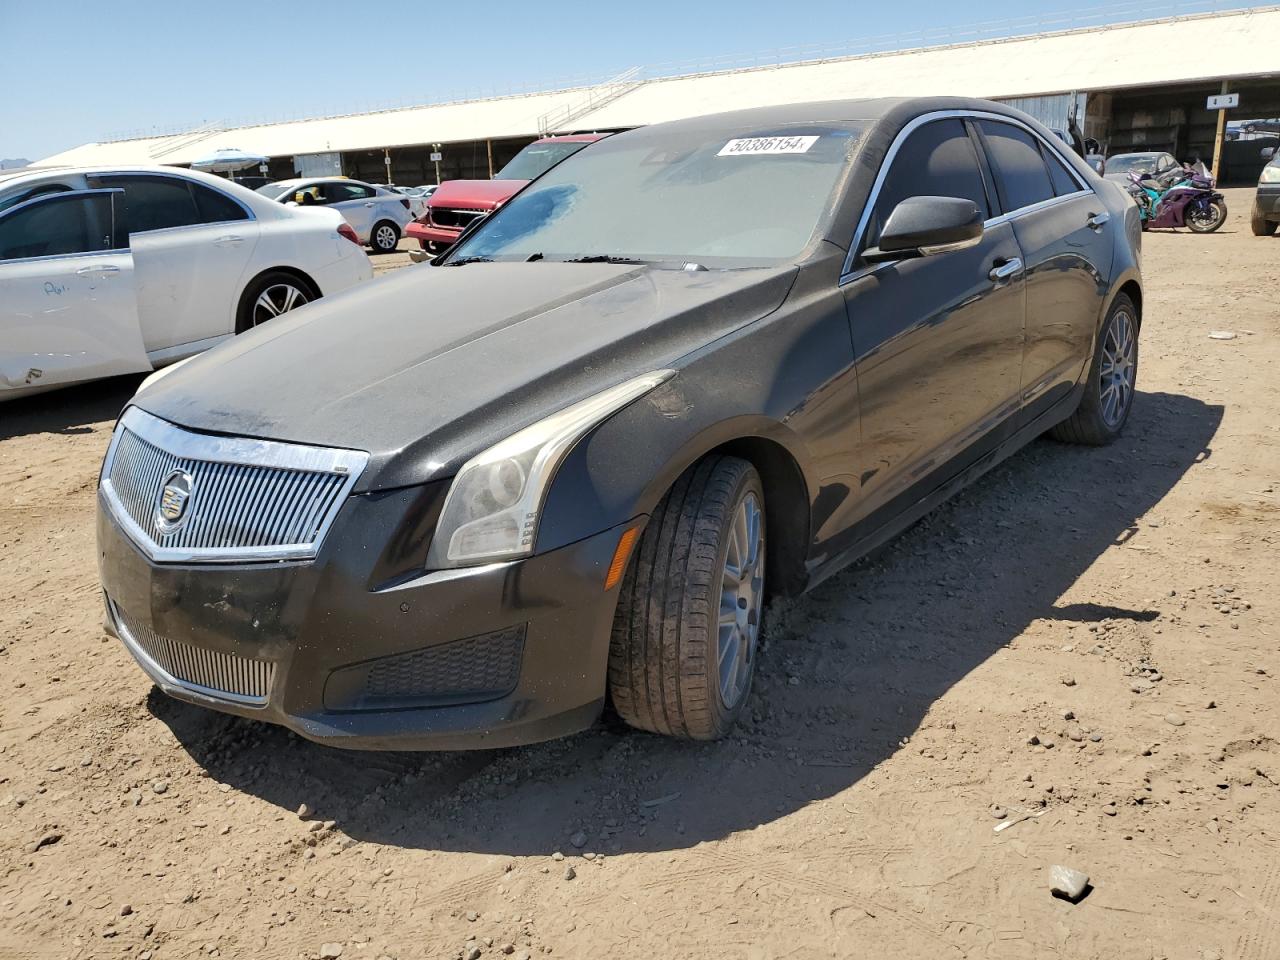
[{"x": 1225, "y": 45}]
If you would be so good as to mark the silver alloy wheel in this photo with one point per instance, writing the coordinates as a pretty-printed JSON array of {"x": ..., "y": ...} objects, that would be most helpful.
[
  {"x": 741, "y": 596},
  {"x": 277, "y": 299},
  {"x": 1119, "y": 368},
  {"x": 385, "y": 237}
]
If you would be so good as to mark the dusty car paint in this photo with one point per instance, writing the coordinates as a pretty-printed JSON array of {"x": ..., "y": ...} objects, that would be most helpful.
[{"x": 863, "y": 393}]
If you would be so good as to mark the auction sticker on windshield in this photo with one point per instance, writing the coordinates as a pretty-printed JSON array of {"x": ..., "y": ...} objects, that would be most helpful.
[{"x": 754, "y": 146}]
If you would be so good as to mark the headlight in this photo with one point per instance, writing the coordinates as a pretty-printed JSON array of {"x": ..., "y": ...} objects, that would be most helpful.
[
  {"x": 493, "y": 507},
  {"x": 1270, "y": 174}
]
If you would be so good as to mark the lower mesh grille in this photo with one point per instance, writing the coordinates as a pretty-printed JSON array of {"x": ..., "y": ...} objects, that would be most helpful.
[
  {"x": 486, "y": 665},
  {"x": 466, "y": 671},
  {"x": 243, "y": 679}
]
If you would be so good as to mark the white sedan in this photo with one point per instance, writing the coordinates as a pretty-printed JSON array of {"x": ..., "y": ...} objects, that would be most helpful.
[
  {"x": 111, "y": 271},
  {"x": 377, "y": 215}
]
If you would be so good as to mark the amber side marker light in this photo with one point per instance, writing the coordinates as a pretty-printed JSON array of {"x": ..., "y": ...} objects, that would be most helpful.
[{"x": 620, "y": 557}]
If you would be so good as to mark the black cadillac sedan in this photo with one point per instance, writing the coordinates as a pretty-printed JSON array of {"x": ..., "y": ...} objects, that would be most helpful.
[{"x": 564, "y": 465}]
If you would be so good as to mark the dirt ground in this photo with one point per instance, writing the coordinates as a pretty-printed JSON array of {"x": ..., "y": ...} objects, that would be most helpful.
[{"x": 1089, "y": 636}]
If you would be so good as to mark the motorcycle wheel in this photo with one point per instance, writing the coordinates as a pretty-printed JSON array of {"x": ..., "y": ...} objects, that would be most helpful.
[{"x": 1207, "y": 217}]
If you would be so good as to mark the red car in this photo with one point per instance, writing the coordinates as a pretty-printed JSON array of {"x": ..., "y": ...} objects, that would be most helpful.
[{"x": 457, "y": 204}]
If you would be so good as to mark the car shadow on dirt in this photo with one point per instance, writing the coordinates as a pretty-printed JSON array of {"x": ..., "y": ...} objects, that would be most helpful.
[
  {"x": 70, "y": 410},
  {"x": 847, "y": 673}
]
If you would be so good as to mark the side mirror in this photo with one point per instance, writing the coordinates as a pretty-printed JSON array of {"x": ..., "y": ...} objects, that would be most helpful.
[
  {"x": 924, "y": 226},
  {"x": 1268, "y": 153}
]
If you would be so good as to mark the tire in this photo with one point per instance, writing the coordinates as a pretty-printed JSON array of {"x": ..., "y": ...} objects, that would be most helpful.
[
  {"x": 268, "y": 296},
  {"x": 1262, "y": 227},
  {"x": 1096, "y": 421},
  {"x": 384, "y": 237},
  {"x": 1209, "y": 225},
  {"x": 665, "y": 664}
]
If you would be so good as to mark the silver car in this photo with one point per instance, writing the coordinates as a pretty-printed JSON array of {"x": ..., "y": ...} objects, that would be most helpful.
[
  {"x": 1121, "y": 165},
  {"x": 377, "y": 215}
]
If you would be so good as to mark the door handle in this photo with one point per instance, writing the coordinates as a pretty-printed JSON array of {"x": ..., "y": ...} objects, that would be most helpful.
[
  {"x": 369, "y": 204},
  {"x": 104, "y": 270},
  {"x": 1097, "y": 220},
  {"x": 1004, "y": 269},
  {"x": 223, "y": 241}
]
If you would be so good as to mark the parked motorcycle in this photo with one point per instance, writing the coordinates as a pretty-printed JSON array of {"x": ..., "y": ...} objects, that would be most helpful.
[{"x": 1186, "y": 200}]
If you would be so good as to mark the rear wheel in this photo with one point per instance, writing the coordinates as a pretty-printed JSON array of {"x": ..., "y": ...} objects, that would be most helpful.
[
  {"x": 385, "y": 237},
  {"x": 1206, "y": 217},
  {"x": 1113, "y": 376},
  {"x": 1262, "y": 227},
  {"x": 269, "y": 296},
  {"x": 683, "y": 650}
]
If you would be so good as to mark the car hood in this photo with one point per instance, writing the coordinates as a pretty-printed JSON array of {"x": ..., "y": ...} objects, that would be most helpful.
[
  {"x": 484, "y": 194},
  {"x": 426, "y": 367}
]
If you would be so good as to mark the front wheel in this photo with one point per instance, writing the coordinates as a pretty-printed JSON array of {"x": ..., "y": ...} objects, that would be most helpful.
[
  {"x": 682, "y": 654},
  {"x": 1262, "y": 227},
  {"x": 1206, "y": 217},
  {"x": 1113, "y": 376},
  {"x": 385, "y": 237}
]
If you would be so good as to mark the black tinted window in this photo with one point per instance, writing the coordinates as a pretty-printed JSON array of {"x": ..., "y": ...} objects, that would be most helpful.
[
  {"x": 338, "y": 192},
  {"x": 155, "y": 203},
  {"x": 36, "y": 191},
  {"x": 215, "y": 207},
  {"x": 938, "y": 160},
  {"x": 1021, "y": 176},
  {"x": 1063, "y": 182},
  {"x": 57, "y": 226}
]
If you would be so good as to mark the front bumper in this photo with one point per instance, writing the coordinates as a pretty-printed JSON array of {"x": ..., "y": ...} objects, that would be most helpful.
[
  {"x": 1268, "y": 201},
  {"x": 345, "y": 636},
  {"x": 429, "y": 233}
]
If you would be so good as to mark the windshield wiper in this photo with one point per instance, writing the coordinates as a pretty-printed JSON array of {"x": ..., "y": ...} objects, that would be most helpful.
[{"x": 465, "y": 260}]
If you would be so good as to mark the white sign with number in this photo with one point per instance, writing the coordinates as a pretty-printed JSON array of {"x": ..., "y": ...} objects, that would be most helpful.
[
  {"x": 756, "y": 146},
  {"x": 1225, "y": 101},
  {"x": 437, "y": 157}
]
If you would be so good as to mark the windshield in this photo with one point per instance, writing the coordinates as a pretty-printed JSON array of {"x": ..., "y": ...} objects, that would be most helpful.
[
  {"x": 689, "y": 195},
  {"x": 537, "y": 158},
  {"x": 276, "y": 190},
  {"x": 1133, "y": 163}
]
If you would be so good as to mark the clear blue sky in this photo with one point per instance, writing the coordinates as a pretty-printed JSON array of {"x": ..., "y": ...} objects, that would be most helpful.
[{"x": 74, "y": 72}]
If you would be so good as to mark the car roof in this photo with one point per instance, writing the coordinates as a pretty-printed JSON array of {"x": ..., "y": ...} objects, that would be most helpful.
[{"x": 9, "y": 178}]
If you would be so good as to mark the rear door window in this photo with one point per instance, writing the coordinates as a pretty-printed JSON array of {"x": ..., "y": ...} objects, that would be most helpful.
[
  {"x": 338, "y": 192},
  {"x": 63, "y": 224},
  {"x": 154, "y": 202},
  {"x": 215, "y": 207},
  {"x": 937, "y": 160},
  {"x": 1064, "y": 182},
  {"x": 1021, "y": 175}
]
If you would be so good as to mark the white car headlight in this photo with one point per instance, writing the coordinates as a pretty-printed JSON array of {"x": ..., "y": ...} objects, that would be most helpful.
[
  {"x": 492, "y": 510},
  {"x": 1270, "y": 174}
]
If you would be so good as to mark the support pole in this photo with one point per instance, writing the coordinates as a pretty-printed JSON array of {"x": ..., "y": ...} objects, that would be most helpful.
[
  {"x": 488, "y": 144},
  {"x": 1222, "y": 135}
]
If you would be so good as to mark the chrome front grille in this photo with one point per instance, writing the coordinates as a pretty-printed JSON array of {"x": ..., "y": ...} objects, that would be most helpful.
[
  {"x": 190, "y": 497},
  {"x": 225, "y": 675}
]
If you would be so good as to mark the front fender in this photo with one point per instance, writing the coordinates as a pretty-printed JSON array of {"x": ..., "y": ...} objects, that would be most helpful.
[{"x": 624, "y": 467}]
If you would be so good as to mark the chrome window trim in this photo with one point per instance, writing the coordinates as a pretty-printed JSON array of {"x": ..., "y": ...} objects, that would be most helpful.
[
  {"x": 209, "y": 448},
  {"x": 162, "y": 676},
  {"x": 177, "y": 176},
  {"x": 848, "y": 273}
]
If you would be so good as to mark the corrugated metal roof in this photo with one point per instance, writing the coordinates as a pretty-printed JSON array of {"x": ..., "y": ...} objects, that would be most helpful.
[{"x": 1203, "y": 47}]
